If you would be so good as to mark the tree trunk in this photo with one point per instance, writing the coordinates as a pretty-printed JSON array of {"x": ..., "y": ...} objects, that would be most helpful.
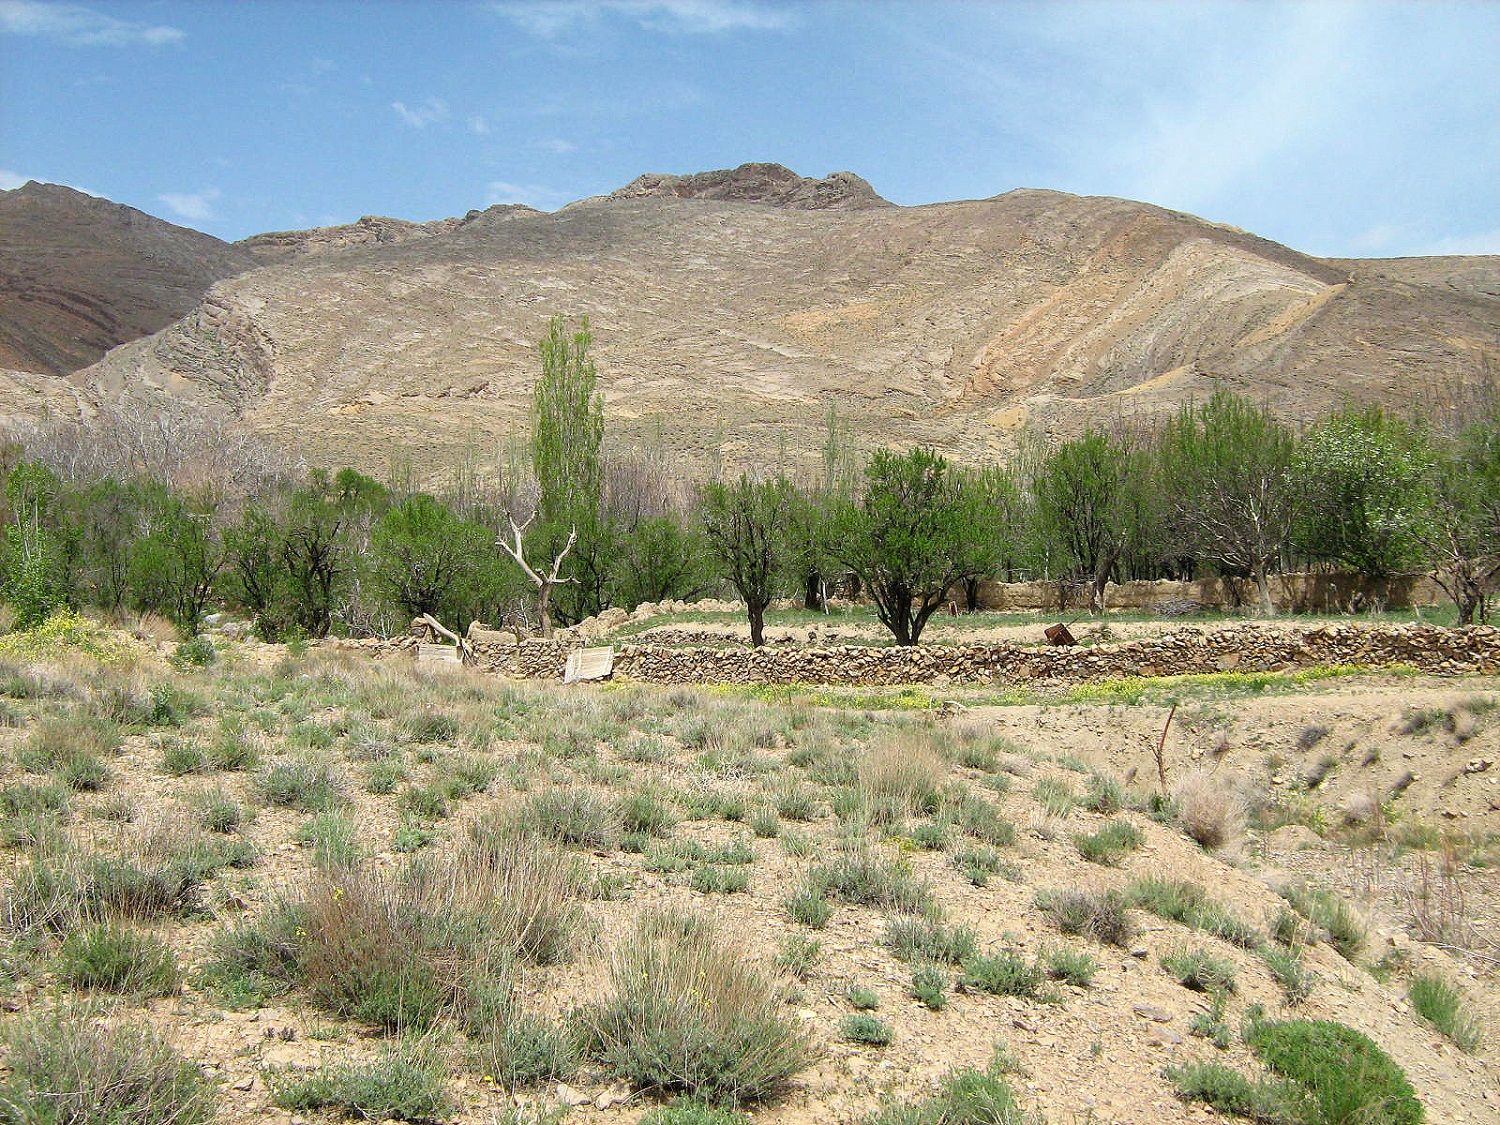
[
  {"x": 812, "y": 591},
  {"x": 971, "y": 595},
  {"x": 757, "y": 624},
  {"x": 544, "y": 610},
  {"x": 1101, "y": 579},
  {"x": 1262, "y": 583}
]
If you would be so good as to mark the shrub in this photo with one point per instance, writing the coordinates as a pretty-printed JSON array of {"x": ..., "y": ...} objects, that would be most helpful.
[
  {"x": 1071, "y": 966},
  {"x": 798, "y": 955},
  {"x": 1100, "y": 915},
  {"x": 1111, "y": 843},
  {"x": 864, "y": 999},
  {"x": 196, "y": 652},
  {"x": 1182, "y": 901},
  {"x": 232, "y": 750},
  {"x": 1006, "y": 973},
  {"x": 467, "y": 774},
  {"x": 796, "y": 802},
  {"x": 978, "y": 863},
  {"x": 1104, "y": 795},
  {"x": 645, "y": 813},
  {"x": 425, "y": 802},
  {"x": 965, "y": 1097},
  {"x": 1208, "y": 811},
  {"x": 865, "y": 880},
  {"x": 692, "y": 1113},
  {"x": 112, "y": 959},
  {"x": 809, "y": 907},
  {"x": 300, "y": 783},
  {"x": 978, "y": 818},
  {"x": 1329, "y": 912},
  {"x": 221, "y": 813},
  {"x": 929, "y": 986},
  {"x": 861, "y": 1027},
  {"x": 69, "y": 1068},
  {"x": 712, "y": 880},
  {"x": 411, "y": 836},
  {"x": 405, "y": 1083},
  {"x": 1054, "y": 795},
  {"x": 1295, "y": 980},
  {"x": 920, "y": 939},
  {"x": 1345, "y": 1074},
  {"x": 73, "y": 749},
  {"x": 331, "y": 836},
  {"x": 1442, "y": 1005},
  {"x": 255, "y": 961},
  {"x": 429, "y": 726},
  {"x": 572, "y": 816},
  {"x": 518, "y": 1049},
  {"x": 1229, "y": 1091},
  {"x": 685, "y": 1014},
  {"x": 1200, "y": 970},
  {"x": 900, "y": 777},
  {"x": 179, "y": 757}
]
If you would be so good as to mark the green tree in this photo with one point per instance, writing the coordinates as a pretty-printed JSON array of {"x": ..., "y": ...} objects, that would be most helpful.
[
  {"x": 1365, "y": 477},
  {"x": 1086, "y": 493},
  {"x": 744, "y": 523},
  {"x": 428, "y": 560},
  {"x": 34, "y": 582},
  {"x": 567, "y": 428},
  {"x": 662, "y": 558},
  {"x": 920, "y": 528},
  {"x": 174, "y": 565},
  {"x": 314, "y": 555},
  {"x": 1226, "y": 476},
  {"x": 255, "y": 578},
  {"x": 109, "y": 522},
  {"x": 1461, "y": 536}
]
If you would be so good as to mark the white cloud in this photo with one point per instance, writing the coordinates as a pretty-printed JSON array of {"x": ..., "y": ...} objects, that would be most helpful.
[
  {"x": 79, "y": 26},
  {"x": 551, "y": 18},
  {"x": 195, "y": 207},
  {"x": 557, "y": 146},
  {"x": 1480, "y": 242},
  {"x": 9, "y": 181},
  {"x": 428, "y": 113},
  {"x": 540, "y": 196},
  {"x": 478, "y": 125}
]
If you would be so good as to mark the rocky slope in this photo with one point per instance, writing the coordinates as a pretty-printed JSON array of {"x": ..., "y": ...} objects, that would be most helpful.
[
  {"x": 733, "y": 309},
  {"x": 79, "y": 274}
]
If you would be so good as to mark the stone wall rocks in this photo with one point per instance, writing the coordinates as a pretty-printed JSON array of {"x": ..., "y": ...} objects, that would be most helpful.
[{"x": 1244, "y": 648}]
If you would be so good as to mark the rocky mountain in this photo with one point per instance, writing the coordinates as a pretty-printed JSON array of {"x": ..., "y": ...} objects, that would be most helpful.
[
  {"x": 732, "y": 310},
  {"x": 79, "y": 275}
]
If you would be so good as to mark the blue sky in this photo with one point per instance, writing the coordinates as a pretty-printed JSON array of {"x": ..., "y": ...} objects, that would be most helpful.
[{"x": 1338, "y": 128}]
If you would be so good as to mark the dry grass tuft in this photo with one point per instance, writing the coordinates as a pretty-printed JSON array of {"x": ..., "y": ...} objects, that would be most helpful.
[
  {"x": 686, "y": 1014},
  {"x": 902, "y": 774},
  {"x": 1209, "y": 812}
]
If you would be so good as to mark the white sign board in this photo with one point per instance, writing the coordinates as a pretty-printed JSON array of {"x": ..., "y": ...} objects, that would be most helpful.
[{"x": 589, "y": 664}]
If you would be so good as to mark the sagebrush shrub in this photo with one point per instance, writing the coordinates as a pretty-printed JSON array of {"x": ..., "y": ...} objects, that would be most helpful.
[
  {"x": 684, "y": 1013},
  {"x": 70, "y": 1067},
  {"x": 111, "y": 958},
  {"x": 1101, "y": 915}
]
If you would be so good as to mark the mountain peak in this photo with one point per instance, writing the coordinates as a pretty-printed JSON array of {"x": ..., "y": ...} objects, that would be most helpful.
[{"x": 773, "y": 184}]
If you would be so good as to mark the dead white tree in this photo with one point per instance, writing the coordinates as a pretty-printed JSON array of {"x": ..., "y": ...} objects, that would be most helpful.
[{"x": 543, "y": 582}]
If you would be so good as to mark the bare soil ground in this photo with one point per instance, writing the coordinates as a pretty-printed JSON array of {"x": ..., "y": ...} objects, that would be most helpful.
[{"x": 722, "y": 761}]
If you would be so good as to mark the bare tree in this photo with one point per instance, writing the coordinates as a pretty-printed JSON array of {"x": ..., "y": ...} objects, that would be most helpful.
[{"x": 544, "y": 582}]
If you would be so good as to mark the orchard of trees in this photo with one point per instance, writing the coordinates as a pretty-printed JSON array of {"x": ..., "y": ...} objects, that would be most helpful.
[{"x": 180, "y": 520}]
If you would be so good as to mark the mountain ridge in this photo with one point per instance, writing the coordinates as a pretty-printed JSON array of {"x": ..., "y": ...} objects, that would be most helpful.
[{"x": 731, "y": 315}]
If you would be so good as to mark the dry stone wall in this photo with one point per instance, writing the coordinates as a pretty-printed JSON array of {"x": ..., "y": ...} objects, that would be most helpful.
[
  {"x": 1244, "y": 648},
  {"x": 1322, "y": 592}
]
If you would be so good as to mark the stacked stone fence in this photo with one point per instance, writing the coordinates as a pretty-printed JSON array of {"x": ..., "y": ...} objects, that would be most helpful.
[
  {"x": 1312, "y": 592},
  {"x": 1243, "y": 648}
]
